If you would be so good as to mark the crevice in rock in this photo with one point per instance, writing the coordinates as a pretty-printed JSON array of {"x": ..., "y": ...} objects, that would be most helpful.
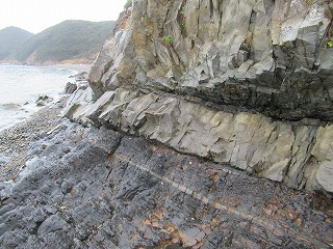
[
  {"x": 211, "y": 9},
  {"x": 181, "y": 19},
  {"x": 220, "y": 206}
]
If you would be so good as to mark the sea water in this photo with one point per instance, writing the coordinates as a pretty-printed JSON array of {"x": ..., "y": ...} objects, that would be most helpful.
[{"x": 20, "y": 87}]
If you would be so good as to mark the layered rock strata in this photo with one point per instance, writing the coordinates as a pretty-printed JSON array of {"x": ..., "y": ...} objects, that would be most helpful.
[
  {"x": 264, "y": 55},
  {"x": 297, "y": 153},
  {"x": 248, "y": 83},
  {"x": 187, "y": 104}
]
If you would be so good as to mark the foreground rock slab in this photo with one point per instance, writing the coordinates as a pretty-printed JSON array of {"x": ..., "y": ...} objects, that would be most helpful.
[{"x": 96, "y": 188}]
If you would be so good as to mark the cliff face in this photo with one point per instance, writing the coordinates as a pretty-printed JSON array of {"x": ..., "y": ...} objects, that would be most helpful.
[
  {"x": 268, "y": 56},
  {"x": 184, "y": 95},
  {"x": 248, "y": 83}
]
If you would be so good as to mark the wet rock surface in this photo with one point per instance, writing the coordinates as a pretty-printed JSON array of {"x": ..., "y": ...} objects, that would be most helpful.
[
  {"x": 15, "y": 141},
  {"x": 97, "y": 188}
]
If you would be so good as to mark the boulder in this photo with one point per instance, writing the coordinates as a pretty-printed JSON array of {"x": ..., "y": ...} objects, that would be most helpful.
[
  {"x": 324, "y": 176},
  {"x": 70, "y": 87},
  {"x": 3, "y": 160}
]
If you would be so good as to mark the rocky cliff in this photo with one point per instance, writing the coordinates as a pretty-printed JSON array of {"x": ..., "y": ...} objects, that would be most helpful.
[
  {"x": 190, "y": 106},
  {"x": 268, "y": 56},
  {"x": 247, "y": 83}
]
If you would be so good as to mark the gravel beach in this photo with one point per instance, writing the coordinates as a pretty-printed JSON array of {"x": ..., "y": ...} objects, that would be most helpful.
[{"x": 14, "y": 141}]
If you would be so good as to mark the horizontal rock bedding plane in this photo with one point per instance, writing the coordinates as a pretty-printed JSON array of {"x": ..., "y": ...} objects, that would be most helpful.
[
  {"x": 247, "y": 83},
  {"x": 96, "y": 188},
  {"x": 297, "y": 153}
]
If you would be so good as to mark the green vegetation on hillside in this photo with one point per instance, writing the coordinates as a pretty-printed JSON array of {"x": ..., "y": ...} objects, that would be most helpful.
[
  {"x": 11, "y": 39},
  {"x": 68, "y": 40},
  {"x": 167, "y": 39}
]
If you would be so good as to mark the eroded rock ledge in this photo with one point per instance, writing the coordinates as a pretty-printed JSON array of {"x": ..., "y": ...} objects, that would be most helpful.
[
  {"x": 297, "y": 153},
  {"x": 95, "y": 188}
]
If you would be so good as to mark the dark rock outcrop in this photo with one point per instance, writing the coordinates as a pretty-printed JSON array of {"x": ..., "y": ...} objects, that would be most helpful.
[{"x": 95, "y": 188}]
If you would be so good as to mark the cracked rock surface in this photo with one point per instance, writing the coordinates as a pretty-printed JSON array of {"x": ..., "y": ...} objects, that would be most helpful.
[
  {"x": 265, "y": 55},
  {"x": 96, "y": 188}
]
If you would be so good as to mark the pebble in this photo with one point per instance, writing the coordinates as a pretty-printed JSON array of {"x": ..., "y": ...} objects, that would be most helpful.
[
  {"x": 3, "y": 160},
  {"x": 14, "y": 142}
]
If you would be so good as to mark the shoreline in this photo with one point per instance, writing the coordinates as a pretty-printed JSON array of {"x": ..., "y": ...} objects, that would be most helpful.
[
  {"x": 15, "y": 140},
  {"x": 81, "y": 67},
  {"x": 14, "y": 110}
]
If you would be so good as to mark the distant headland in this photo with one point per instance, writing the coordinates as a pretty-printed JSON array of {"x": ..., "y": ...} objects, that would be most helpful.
[{"x": 71, "y": 42}]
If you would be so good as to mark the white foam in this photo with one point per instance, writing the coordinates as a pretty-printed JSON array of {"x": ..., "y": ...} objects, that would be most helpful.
[{"x": 20, "y": 87}]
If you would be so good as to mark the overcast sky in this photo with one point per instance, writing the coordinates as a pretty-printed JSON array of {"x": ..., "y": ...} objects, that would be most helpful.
[{"x": 36, "y": 15}]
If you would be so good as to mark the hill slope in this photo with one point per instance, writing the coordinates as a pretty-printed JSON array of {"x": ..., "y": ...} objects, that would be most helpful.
[
  {"x": 11, "y": 39},
  {"x": 69, "y": 40}
]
